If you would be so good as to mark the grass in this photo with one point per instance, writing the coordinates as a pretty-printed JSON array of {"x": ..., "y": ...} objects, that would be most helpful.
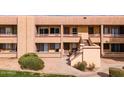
[{"x": 13, "y": 73}]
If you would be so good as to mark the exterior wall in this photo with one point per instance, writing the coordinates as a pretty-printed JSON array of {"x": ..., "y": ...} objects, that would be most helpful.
[
  {"x": 26, "y": 29},
  {"x": 80, "y": 20},
  {"x": 47, "y": 39},
  {"x": 8, "y": 55},
  {"x": 21, "y": 36},
  {"x": 45, "y": 55},
  {"x": 8, "y": 20},
  {"x": 83, "y": 32},
  {"x": 71, "y": 39},
  {"x": 8, "y": 39},
  {"x": 30, "y": 34},
  {"x": 91, "y": 55}
]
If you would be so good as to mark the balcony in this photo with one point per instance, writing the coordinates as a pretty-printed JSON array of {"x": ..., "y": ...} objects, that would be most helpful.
[
  {"x": 49, "y": 54},
  {"x": 47, "y": 38},
  {"x": 6, "y": 38},
  {"x": 71, "y": 38},
  {"x": 8, "y": 53},
  {"x": 113, "y": 38},
  {"x": 95, "y": 37},
  {"x": 108, "y": 38}
]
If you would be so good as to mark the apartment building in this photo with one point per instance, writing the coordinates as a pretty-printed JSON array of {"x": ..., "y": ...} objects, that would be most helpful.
[{"x": 56, "y": 36}]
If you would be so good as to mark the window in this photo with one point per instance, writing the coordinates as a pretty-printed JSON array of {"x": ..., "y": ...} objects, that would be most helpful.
[
  {"x": 121, "y": 29},
  {"x": 90, "y": 30},
  {"x": 115, "y": 31},
  {"x": 117, "y": 47},
  {"x": 106, "y": 46},
  {"x": 43, "y": 30},
  {"x": 74, "y": 30},
  {"x": 66, "y": 30},
  {"x": 74, "y": 45},
  {"x": 2, "y": 30},
  {"x": 8, "y": 46},
  {"x": 106, "y": 30},
  {"x": 8, "y": 30},
  {"x": 54, "y": 31},
  {"x": 54, "y": 46},
  {"x": 42, "y": 47}
]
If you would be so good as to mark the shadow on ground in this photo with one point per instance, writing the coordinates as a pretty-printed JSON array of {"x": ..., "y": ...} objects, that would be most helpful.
[
  {"x": 102, "y": 74},
  {"x": 116, "y": 59}
]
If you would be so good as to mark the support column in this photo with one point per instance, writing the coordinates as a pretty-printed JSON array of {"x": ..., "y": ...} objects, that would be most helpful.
[
  {"x": 30, "y": 34},
  {"x": 21, "y": 35},
  {"x": 62, "y": 50},
  {"x": 101, "y": 39}
]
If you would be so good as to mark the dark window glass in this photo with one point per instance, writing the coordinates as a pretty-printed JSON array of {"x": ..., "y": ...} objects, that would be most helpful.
[
  {"x": 121, "y": 30},
  {"x": 54, "y": 31},
  {"x": 8, "y": 46},
  {"x": 90, "y": 30},
  {"x": 40, "y": 47},
  {"x": 52, "y": 46},
  {"x": 51, "y": 30},
  {"x": 66, "y": 30},
  {"x": 106, "y": 46},
  {"x": 2, "y": 30},
  {"x": 74, "y": 30}
]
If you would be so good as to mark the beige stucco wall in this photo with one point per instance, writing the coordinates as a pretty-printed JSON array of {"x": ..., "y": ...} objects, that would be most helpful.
[
  {"x": 26, "y": 27},
  {"x": 22, "y": 36},
  {"x": 83, "y": 31},
  {"x": 8, "y": 55},
  {"x": 8, "y": 39},
  {"x": 8, "y": 20},
  {"x": 47, "y": 39},
  {"x": 80, "y": 20},
  {"x": 91, "y": 54},
  {"x": 53, "y": 55},
  {"x": 30, "y": 34}
]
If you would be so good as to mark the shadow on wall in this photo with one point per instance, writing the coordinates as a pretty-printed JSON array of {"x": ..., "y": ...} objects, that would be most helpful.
[{"x": 102, "y": 74}]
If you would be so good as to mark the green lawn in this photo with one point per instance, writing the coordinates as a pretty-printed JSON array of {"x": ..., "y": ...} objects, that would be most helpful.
[{"x": 13, "y": 73}]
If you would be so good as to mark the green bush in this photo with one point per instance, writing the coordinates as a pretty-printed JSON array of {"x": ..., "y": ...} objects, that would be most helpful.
[
  {"x": 91, "y": 67},
  {"x": 31, "y": 61},
  {"x": 116, "y": 72},
  {"x": 81, "y": 66}
]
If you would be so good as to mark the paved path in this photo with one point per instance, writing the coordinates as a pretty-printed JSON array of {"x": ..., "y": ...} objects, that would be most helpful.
[{"x": 59, "y": 66}]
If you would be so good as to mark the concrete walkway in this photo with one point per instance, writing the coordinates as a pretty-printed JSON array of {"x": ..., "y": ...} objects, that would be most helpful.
[{"x": 59, "y": 66}]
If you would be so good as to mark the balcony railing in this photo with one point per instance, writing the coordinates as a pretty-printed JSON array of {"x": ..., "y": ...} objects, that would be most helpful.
[
  {"x": 107, "y": 35},
  {"x": 8, "y": 35},
  {"x": 7, "y": 51},
  {"x": 48, "y": 35},
  {"x": 71, "y": 35},
  {"x": 57, "y": 35}
]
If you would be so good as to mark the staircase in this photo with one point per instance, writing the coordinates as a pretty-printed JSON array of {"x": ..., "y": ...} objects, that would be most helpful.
[{"x": 86, "y": 52}]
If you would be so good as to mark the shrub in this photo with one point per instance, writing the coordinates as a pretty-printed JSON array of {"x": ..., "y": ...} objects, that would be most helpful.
[
  {"x": 81, "y": 66},
  {"x": 91, "y": 67},
  {"x": 31, "y": 61},
  {"x": 116, "y": 72}
]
